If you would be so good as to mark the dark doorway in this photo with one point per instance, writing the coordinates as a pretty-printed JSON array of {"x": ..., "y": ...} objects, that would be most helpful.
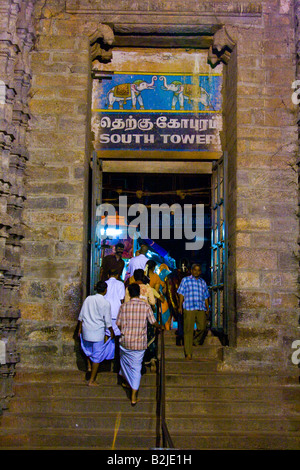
[{"x": 182, "y": 189}]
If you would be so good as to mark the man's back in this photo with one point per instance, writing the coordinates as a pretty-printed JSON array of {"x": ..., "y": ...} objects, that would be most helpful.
[
  {"x": 138, "y": 262},
  {"x": 110, "y": 262},
  {"x": 132, "y": 321},
  {"x": 115, "y": 293},
  {"x": 95, "y": 315}
]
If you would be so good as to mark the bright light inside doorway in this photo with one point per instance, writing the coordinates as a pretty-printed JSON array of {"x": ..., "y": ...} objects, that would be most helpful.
[{"x": 111, "y": 232}]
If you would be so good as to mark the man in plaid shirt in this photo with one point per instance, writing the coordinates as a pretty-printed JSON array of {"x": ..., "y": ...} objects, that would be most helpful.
[
  {"x": 194, "y": 305},
  {"x": 132, "y": 322}
]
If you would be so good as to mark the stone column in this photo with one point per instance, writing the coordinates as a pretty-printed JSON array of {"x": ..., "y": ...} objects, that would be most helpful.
[
  {"x": 16, "y": 42},
  {"x": 55, "y": 256},
  {"x": 259, "y": 135}
]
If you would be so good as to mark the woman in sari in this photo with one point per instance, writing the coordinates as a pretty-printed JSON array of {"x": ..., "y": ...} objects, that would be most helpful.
[
  {"x": 164, "y": 271},
  {"x": 157, "y": 287}
]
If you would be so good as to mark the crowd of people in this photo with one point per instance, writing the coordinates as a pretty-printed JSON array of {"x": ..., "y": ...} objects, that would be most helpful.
[{"x": 119, "y": 322}]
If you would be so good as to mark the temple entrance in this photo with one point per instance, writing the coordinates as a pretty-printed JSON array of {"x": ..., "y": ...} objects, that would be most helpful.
[
  {"x": 166, "y": 190},
  {"x": 156, "y": 121},
  {"x": 141, "y": 186}
]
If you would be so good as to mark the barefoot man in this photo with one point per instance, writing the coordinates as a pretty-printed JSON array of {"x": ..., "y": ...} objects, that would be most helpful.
[
  {"x": 132, "y": 322},
  {"x": 94, "y": 319}
]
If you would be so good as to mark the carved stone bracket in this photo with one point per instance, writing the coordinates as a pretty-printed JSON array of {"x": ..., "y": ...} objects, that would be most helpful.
[
  {"x": 222, "y": 46},
  {"x": 101, "y": 41}
]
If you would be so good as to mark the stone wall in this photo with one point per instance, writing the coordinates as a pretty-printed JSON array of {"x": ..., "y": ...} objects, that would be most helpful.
[
  {"x": 57, "y": 184},
  {"x": 266, "y": 188},
  {"x": 16, "y": 41},
  {"x": 260, "y": 136}
]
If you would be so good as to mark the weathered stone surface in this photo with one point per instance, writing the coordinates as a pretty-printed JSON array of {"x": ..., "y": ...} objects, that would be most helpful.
[
  {"x": 67, "y": 250},
  {"x": 36, "y": 310},
  {"x": 256, "y": 259},
  {"x": 253, "y": 300},
  {"x": 47, "y": 203},
  {"x": 257, "y": 336},
  {"x": 248, "y": 279},
  {"x": 51, "y": 269},
  {"x": 253, "y": 224},
  {"x": 41, "y": 289},
  {"x": 257, "y": 44},
  {"x": 16, "y": 40},
  {"x": 72, "y": 301},
  {"x": 72, "y": 234}
]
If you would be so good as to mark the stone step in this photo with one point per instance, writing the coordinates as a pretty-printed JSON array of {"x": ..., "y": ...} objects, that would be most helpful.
[
  {"x": 173, "y": 406},
  {"x": 206, "y": 408},
  {"x": 231, "y": 393},
  {"x": 170, "y": 339},
  {"x": 76, "y": 439},
  {"x": 83, "y": 405},
  {"x": 71, "y": 376},
  {"x": 74, "y": 390},
  {"x": 228, "y": 423},
  {"x": 177, "y": 366},
  {"x": 185, "y": 378},
  {"x": 226, "y": 379},
  {"x": 143, "y": 422},
  {"x": 204, "y": 352},
  {"x": 235, "y": 440},
  {"x": 134, "y": 419}
]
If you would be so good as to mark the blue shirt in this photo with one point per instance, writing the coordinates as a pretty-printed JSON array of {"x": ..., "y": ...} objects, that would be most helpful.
[{"x": 194, "y": 291}]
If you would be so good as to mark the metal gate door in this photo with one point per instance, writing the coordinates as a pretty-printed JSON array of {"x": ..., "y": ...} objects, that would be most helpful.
[
  {"x": 95, "y": 240},
  {"x": 219, "y": 251}
]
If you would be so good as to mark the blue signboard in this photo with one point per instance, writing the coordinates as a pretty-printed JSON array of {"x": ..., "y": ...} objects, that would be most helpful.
[{"x": 157, "y": 112}]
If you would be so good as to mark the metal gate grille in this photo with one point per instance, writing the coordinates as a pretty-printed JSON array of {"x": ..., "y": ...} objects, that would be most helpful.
[
  {"x": 219, "y": 246},
  {"x": 95, "y": 240}
]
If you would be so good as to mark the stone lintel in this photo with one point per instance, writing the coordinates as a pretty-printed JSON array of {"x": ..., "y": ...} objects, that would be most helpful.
[
  {"x": 173, "y": 18},
  {"x": 149, "y": 7}
]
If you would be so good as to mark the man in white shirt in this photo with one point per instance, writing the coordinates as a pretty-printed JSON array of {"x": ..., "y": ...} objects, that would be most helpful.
[
  {"x": 138, "y": 262},
  {"x": 115, "y": 295},
  {"x": 94, "y": 319}
]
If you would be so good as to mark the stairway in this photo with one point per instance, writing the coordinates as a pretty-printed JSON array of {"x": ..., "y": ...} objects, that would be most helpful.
[
  {"x": 57, "y": 410},
  {"x": 210, "y": 409},
  {"x": 206, "y": 408}
]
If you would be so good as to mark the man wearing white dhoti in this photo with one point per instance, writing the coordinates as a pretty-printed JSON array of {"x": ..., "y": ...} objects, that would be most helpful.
[
  {"x": 132, "y": 322},
  {"x": 115, "y": 295},
  {"x": 94, "y": 319}
]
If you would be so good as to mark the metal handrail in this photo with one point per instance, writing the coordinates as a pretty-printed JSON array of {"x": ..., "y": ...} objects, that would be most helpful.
[{"x": 161, "y": 392}]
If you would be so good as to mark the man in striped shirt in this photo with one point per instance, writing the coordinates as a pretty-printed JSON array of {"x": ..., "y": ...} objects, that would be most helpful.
[
  {"x": 194, "y": 305},
  {"x": 132, "y": 322}
]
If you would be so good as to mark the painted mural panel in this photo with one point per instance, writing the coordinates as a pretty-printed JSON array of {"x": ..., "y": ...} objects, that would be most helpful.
[{"x": 144, "y": 111}]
